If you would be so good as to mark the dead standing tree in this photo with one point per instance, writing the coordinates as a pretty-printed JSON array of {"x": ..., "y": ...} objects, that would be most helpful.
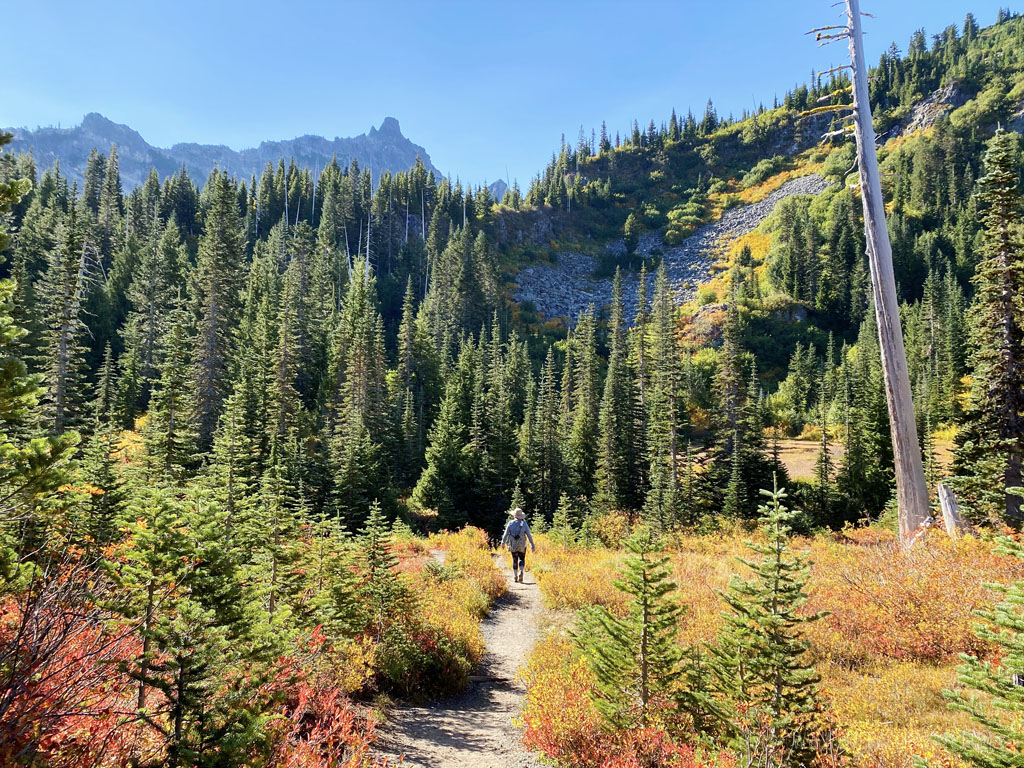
[{"x": 911, "y": 489}]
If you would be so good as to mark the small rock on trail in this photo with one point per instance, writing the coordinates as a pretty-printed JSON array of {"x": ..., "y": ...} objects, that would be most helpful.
[{"x": 476, "y": 729}]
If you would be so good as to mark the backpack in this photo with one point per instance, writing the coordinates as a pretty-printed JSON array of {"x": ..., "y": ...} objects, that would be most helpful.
[{"x": 517, "y": 536}]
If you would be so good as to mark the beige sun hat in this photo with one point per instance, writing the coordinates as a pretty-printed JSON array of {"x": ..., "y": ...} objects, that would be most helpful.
[{"x": 519, "y": 514}]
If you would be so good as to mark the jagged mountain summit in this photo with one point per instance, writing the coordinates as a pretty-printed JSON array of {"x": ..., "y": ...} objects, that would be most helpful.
[{"x": 381, "y": 149}]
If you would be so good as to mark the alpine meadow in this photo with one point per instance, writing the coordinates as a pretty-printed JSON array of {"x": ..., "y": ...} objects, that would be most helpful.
[{"x": 279, "y": 428}]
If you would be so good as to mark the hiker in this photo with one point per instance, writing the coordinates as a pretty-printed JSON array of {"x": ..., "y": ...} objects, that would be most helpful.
[{"x": 516, "y": 533}]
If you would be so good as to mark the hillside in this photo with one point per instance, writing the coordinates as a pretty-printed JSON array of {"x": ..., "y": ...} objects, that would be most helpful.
[
  {"x": 676, "y": 177},
  {"x": 381, "y": 149}
]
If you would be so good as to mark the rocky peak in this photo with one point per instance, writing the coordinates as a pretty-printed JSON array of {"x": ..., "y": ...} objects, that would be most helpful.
[{"x": 388, "y": 128}]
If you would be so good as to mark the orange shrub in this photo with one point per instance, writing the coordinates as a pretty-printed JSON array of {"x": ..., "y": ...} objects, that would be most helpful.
[
  {"x": 325, "y": 730},
  {"x": 561, "y": 721},
  {"x": 469, "y": 552},
  {"x": 559, "y": 718},
  {"x": 891, "y": 710},
  {"x": 916, "y": 605}
]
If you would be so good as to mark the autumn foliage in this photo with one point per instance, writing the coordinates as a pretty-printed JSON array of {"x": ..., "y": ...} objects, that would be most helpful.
[
  {"x": 887, "y": 647},
  {"x": 66, "y": 700}
]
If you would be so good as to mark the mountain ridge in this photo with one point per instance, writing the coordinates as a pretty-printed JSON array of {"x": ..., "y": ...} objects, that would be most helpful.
[{"x": 383, "y": 148}]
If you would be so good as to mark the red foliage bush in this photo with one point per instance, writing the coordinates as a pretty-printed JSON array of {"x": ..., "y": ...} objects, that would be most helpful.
[
  {"x": 62, "y": 701},
  {"x": 325, "y": 730}
]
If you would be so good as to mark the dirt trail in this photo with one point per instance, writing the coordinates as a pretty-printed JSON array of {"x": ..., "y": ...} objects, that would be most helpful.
[{"x": 476, "y": 728}]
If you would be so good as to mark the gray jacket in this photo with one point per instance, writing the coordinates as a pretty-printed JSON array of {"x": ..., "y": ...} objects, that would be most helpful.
[{"x": 523, "y": 535}]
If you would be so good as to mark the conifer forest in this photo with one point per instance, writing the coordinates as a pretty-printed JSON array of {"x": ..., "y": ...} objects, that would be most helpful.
[{"x": 261, "y": 437}]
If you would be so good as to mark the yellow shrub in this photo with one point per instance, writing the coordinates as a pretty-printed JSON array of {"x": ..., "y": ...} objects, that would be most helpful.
[
  {"x": 469, "y": 552},
  {"x": 359, "y": 665},
  {"x": 571, "y": 579}
]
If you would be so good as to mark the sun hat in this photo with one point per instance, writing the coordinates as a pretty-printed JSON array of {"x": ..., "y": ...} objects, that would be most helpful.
[{"x": 519, "y": 514}]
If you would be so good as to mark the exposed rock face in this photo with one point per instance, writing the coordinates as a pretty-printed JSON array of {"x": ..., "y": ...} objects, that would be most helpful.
[
  {"x": 569, "y": 287},
  {"x": 927, "y": 112},
  {"x": 1017, "y": 120},
  {"x": 381, "y": 149},
  {"x": 498, "y": 189}
]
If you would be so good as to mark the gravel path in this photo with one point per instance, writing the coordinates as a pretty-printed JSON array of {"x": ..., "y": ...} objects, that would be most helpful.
[
  {"x": 476, "y": 728},
  {"x": 568, "y": 287}
]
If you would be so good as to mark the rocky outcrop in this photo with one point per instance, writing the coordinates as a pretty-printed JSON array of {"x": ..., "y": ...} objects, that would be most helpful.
[
  {"x": 1017, "y": 120},
  {"x": 928, "y": 111},
  {"x": 564, "y": 289}
]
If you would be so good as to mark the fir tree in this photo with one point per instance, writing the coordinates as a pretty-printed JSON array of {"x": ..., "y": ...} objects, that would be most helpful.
[
  {"x": 635, "y": 660},
  {"x": 170, "y": 432},
  {"x": 990, "y": 445},
  {"x": 62, "y": 293},
  {"x": 617, "y": 477},
  {"x": 664, "y": 407},
  {"x": 997, "y": 739},
  {"x": 201, "y": 651},
  {"x": 824, "y": 489},
  {"x": 216, "y": 293},
  {"x": 31, "y": 466},
  {"x": 443, "y": 485},
  {"x": 581, "y": 452},
  {"x": 275, "y": 536},
  {"x": 762, "y": 672},
  {"x": 562, "y": 529}
]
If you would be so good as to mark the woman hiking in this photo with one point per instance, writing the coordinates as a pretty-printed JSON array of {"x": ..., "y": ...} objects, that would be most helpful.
[{"x": 516, "y": 534}]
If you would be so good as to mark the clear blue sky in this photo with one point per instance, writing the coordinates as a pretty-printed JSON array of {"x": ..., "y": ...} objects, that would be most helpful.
[{"x": 481, "y": 85}]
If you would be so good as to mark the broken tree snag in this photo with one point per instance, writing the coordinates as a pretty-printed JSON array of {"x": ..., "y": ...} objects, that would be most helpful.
[
  {"x": 956, "y": 526},
  {"x": 911, "y": 490}
]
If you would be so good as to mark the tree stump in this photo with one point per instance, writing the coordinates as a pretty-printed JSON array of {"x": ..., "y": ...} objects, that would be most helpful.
[{"x": 956, "y": 526}]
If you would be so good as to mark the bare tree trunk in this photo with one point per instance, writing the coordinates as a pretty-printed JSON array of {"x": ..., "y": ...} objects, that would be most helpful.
[
  {"x": 911, "y": 490},
  {"x": 312, "y": 209}
]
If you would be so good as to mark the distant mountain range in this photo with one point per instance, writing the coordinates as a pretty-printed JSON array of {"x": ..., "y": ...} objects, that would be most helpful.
[{"x": 383, "y": 148}]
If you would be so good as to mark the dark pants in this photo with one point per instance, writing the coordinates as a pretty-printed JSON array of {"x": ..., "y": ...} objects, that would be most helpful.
[{"x": 518, "y": 561}]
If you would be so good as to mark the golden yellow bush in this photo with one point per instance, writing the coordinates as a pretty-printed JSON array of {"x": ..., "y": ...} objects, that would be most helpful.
[{"x": 571, "y": 579}]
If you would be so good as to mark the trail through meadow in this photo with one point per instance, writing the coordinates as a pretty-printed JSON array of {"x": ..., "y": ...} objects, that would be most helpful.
[{"x": 477, "y": 727}]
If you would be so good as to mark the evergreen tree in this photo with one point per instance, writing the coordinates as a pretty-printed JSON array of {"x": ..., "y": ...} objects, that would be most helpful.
[
  {"x": 156, "y": 282},
  {"x": 631, "y": 233},
  {"x": 170, "y": 433},
  {"x": 62, "y": 292},
  {"x": 333, "y": 572},
  {"x": 990, "y": 445},
  {"x": 617, "y": 481},
  {"x": 107, "y": 492},
  {"x": 581, "y": 452},
  {"x": 824, "y": 489},
  {"x": 201, "y": 651},
  {"x": 772, "y": 708},
  {"x": 276, "y": 538},
  {"x": 563, "y": 531},
  {"x": 664, "y": 409},
  {"x": 216, "y": 293},
  {"x": 443, "y": 485},
  {"x": 546, "y": 452},
  {"x": 31, "y": 466},
  {"x": 359, "y": 407},
  {"x": 111, "y": 207},
  {"x": 635, "y": 659}
]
